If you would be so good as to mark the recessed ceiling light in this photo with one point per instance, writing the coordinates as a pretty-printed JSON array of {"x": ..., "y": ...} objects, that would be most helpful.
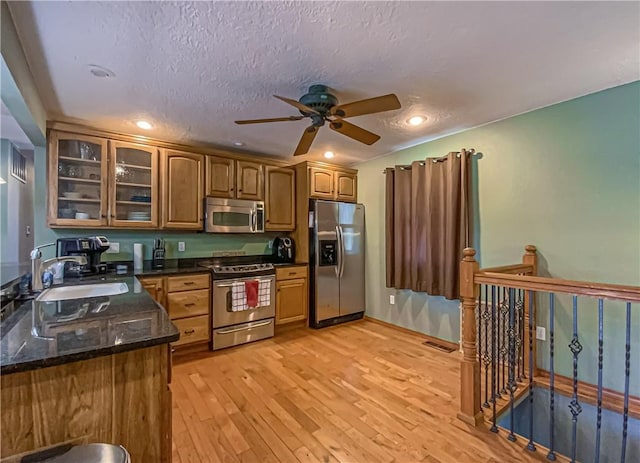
[
  {"x": 329, "y": 154},
  {"x": 238, "y": 143},
  {"x": 144, "y": 125},
  {"x": 100, "y": 71},
  {"x": 416, "y": 120}
]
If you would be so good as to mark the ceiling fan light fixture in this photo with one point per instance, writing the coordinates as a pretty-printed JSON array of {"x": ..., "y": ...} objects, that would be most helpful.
[
  {"x": 144, "y": 125},
  {"x": 328, "y": 154},
  {"x": 416, "y": 120}
]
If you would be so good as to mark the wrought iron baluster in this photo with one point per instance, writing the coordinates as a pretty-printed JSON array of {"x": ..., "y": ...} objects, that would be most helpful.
[
  {"x": 551, "y": 456},
  {"x": 574, "y": 405},
  {"x": 504, "y": 351},
  {"x": 497, "y": 358},
  {"x": 512, "y": 366},
  {"x": 530, "y": 445},
  {"x": 479, "y": 329},
  {"x": 600, "y": 346},
  {"x": 494, "y": 348},
  {"x": 486, "y": 358},
  {"x": 627, "y": 367},
  {"x": 519, "y": 335}
]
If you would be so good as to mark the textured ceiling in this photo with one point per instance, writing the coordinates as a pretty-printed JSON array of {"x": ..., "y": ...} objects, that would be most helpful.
[{"x": 192, "y": 68}]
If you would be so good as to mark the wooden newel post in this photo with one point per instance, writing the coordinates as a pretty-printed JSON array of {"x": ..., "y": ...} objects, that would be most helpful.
[
  {"x": 530, "y": 257},
  {"x": 470, "y": 411}
]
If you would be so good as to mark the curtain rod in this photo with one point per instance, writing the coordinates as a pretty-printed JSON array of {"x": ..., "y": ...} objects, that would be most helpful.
[{"x": 471, "y": 151}]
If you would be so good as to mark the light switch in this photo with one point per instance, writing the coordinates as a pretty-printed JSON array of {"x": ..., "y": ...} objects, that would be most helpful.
[
  {"x": 392, "y": 299},
  {"x": 541, "y": 333}
]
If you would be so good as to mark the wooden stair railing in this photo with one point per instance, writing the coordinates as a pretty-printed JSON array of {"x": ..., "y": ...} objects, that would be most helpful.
[{"x": 500, "y": 303}]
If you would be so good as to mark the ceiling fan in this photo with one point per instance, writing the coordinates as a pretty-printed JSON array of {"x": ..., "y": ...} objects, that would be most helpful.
[{"x": 322, "y": 106}]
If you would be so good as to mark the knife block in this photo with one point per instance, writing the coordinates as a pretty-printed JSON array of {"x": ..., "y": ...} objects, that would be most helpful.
[{"x": 157, "y": 258}]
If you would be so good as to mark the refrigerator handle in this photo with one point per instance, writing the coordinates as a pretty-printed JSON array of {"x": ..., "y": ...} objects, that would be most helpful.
[
  {"x": 339, "y": 253},
  {"x": 341, "y": 247}
]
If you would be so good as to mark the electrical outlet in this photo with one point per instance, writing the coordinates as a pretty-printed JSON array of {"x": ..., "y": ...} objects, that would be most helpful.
[
  {"x": 114, "y": 248},
  {"x": 270, "y": 245},
  {"x": 392, "y": 299},
  {"x": 181, "y": 246},
  {"x": 541, "y": 333}
]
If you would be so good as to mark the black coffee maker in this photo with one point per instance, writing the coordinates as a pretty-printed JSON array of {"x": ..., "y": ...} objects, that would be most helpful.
[
  {"x": 92, "y": 248},
  {"x": 284, "y": 249}
]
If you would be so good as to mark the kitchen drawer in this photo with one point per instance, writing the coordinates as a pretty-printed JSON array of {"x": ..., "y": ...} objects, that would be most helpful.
[
  {"x": 288, "y": 273},
  {"x": 188, "y": 303},
  {"x": 188, "y": 282},
  {"x": 192, "y": 329}
]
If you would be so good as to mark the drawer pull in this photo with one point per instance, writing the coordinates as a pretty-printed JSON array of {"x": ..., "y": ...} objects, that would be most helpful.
[
  {"x": 188, "y": 283},
  {"x": 191, "y": 331},
  {"x": 292, "y": 273},
  {"x": 246, "y": 328},
  {"x": 190, "y": 304}
]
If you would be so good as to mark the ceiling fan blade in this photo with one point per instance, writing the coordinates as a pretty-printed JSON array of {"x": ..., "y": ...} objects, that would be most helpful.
[
  {"x": 355, "y": 132},
  {"x": 306, "y": 140},
  {"x": 273, "y": 119},
  {"x": 297, "y": 104},
  {"x": 369, "y": 106}
]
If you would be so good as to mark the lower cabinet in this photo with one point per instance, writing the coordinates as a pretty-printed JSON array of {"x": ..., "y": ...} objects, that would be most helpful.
[
  {"x": 187, "y": 300},
  {"x": 291, "y": 294}
]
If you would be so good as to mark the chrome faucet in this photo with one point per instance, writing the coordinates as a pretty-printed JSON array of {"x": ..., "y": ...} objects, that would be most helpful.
[{"x": 38, "y": 266}]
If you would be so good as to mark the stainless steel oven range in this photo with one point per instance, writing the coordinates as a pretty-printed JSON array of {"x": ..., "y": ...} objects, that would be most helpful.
[{"x": 238, "y": 315}]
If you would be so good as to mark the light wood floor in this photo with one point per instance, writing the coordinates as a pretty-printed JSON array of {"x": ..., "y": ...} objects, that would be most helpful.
[{"x": 359, "y": 392}]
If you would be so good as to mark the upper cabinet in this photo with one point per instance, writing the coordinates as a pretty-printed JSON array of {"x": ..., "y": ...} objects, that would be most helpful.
[
  {"x": 231, "y": 178},
  {"x": 321, "y": 183},
  {"x": 95, "y": 182},
  {"x": 182, "y": 190},
  {"x": 280, "y": 186},
  {"x": 221, "y": 177},
  {"x": 249, "y": 177},
  {"x": 346, "y": 186},
  {"x": 133, "y": 185},
  {"x": 327, "y": 181},
  {"x": 77, "y": 180}
]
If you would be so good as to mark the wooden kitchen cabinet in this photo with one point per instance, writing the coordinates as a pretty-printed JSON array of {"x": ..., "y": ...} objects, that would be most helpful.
[
  {"x": 234, "y": 178},
  {"x": 155, "y": 287},
  {"x": 280, "y": 193},
  {"x": 133, "y": 185},
  {"x": 187, "y": 300},
  {"x": 346, "y": 186},
  {"x": 321, "y": 183},
  {"x": 96, "y": 182},
  {"x": 221, "y": 177},
  {"x": 291, "y": 294},
  {"x": 249, "y": 180},
  {"x": 182, "y": 190}
]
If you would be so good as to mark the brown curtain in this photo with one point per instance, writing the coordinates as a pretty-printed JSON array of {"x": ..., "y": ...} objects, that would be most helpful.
[{"x": 427, "y": 224}]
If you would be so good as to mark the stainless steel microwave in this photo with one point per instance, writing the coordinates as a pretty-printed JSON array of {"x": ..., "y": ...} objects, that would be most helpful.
[{"x": 233, "y": 216}]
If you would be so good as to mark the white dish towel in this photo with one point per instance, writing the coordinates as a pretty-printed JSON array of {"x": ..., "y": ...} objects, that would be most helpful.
[{"x": 239, "y": 296}]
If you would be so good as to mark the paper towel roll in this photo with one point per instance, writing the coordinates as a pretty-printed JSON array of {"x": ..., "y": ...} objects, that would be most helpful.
[{"x": 138, "y": 256}]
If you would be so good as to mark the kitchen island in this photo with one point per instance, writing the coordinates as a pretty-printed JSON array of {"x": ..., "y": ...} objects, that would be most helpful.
[{"x": 87, "y": 370}]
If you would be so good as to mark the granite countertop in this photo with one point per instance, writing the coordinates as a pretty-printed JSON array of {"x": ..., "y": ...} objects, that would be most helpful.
[{"x": 42, "y": 334}]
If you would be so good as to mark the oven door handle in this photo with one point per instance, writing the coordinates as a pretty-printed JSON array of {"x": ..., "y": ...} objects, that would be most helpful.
[
  {"x": 246, "y": 328},
  {"x": 254, "y": 220},
  {"x": 229, "y": 285}
]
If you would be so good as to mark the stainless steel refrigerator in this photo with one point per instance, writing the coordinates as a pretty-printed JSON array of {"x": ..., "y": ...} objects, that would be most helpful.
[{"x": 336, "y": 262}]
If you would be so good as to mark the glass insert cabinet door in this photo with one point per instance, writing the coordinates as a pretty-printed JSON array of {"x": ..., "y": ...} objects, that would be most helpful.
[
  {"x": 134, "y": 185},
  {"x": 78, "y": 180}
]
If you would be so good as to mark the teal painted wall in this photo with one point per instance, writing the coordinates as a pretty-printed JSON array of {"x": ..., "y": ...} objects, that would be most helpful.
[
  {"x": 197, "y": 244},
  {"x": 565, "y": 178}
]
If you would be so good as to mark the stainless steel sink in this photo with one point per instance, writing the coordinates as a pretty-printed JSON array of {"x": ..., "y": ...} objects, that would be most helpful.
[{"x": 64, "y": 293}]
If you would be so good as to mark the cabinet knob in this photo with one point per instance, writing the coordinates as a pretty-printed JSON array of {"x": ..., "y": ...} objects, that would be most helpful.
[
  {"x": 104, "y": 216},
  {"x": 240, "y": 189}
]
